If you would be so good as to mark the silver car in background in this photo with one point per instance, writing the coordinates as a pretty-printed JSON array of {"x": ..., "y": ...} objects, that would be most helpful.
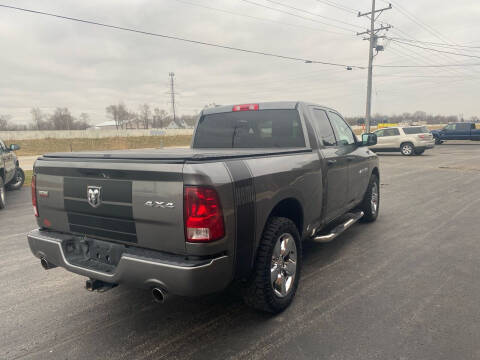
[{"x": 409, "y": 140}]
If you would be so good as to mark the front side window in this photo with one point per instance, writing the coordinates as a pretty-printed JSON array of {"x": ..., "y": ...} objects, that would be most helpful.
[
  {"x": 250, "y": 129},
  {"x": 450, "y": 127},
  {"x": 343, "y": 132}
]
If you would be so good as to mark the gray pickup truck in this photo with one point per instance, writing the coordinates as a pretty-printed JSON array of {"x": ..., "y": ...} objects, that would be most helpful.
[{"x": 257, "y": 180}]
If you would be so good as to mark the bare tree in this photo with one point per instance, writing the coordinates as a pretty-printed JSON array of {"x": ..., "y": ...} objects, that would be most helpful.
[
  {"x": 37, "y": 117},
  {"x": 119, "y": 114},
  {"x": 4, "y": 119},
  {"x": 145, "y": 115},
  {"x": 160, "y": 118},
  {"x": 61, "y": 119}
]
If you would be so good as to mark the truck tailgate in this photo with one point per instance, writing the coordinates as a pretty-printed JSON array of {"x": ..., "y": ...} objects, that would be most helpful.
[{"x": 139, "y": 202}]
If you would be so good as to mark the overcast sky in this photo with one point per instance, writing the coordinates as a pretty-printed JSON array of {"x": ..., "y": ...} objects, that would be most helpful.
[{"x": 49, "y": 63}]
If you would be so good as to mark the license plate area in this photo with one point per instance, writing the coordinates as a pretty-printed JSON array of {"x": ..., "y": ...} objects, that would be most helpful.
[{"x": 93, "y": 254}]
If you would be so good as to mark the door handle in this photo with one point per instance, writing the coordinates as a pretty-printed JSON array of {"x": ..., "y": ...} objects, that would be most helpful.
[{"x": 331, "y": 162}]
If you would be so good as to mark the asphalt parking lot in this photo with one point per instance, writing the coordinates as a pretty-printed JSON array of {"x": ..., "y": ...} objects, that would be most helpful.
[{"x": 405, "y": 287}]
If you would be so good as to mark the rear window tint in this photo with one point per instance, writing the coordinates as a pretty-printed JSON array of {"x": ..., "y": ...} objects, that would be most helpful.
[
  {"x": 250, "y": 129},
  {"x": 415, "y": 130}
]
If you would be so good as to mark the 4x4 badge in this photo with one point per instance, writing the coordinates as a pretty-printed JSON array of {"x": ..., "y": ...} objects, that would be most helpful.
[
  {"x": 94, "y": 196},
  {"x": 160, "y": 204}
]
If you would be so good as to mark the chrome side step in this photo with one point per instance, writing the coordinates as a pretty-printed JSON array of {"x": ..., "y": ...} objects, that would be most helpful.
[{"x": 337, "y": 230}]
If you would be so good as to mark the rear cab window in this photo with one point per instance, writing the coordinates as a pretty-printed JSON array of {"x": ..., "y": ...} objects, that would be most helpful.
[
  {"x": 415, "y": 130},
  {"x": 270, "y": 128}
]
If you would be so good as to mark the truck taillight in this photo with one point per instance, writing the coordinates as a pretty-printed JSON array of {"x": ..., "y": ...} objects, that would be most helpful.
[
  {"x": 245, "y": 107},
  {"x": 203, "y": 214},
  {"x": 34, "y": 195}
]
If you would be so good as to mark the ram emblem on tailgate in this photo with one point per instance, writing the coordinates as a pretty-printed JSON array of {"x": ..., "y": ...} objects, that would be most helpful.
[{"x": 94, "y": 196}]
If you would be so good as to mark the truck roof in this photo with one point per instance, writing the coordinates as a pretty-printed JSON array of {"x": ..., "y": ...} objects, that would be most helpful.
[{"x": 267, "y": 105}]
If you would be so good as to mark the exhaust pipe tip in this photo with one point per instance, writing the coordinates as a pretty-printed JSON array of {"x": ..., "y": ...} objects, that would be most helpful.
[
  {"x": 159, "y": 295},
  {"x": 89, "y": 284},
  {"x": 46, "y": 264}
]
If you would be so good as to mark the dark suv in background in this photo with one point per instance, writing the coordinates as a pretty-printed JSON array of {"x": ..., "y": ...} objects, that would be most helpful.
[{"x": 11, "y": 175}]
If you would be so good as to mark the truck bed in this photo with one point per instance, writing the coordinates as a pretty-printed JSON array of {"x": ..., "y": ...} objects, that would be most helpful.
[{"x": 175, "y": 155}]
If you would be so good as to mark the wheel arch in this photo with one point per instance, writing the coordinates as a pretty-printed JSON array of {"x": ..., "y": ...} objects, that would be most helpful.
[{"x": 289, "y": 208}]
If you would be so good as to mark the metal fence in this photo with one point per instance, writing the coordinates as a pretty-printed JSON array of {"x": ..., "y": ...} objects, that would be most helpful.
[{"x": 89, "y": 134}]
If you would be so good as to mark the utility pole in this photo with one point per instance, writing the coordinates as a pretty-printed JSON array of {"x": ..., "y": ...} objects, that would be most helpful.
[
  {"x": 373, "y": 37},
  {"x": 172, "y": 94}
]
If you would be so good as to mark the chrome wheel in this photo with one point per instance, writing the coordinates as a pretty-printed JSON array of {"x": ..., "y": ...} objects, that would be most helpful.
[
  {"x": 374, "y": 198},
  {"x": 284, "y": 265},
  {"x": 407, "y": 149},
  {"x": 18, "y": 180}
]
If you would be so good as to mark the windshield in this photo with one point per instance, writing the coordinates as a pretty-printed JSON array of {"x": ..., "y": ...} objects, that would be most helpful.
[{"x": 250, "y": 129}]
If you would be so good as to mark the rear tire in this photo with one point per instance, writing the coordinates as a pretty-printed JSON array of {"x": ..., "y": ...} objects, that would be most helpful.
[
  {"x": 3, "y": 201},
  {"x": 276, "y": 274},
  {"x": 371, "y": 202},
  {"x": 17, "y": 181},
  {"x": 407, "y": 149}
]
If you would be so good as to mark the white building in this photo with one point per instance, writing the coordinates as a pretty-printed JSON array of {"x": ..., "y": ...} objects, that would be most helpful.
[{"x": 106, "y": 125}]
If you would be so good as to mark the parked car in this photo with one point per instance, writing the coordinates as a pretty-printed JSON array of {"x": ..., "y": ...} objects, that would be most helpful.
[
  {"x": 457, "y": 131},
  {"x": 409, "y": 140},
  {"x": 235, "y": 207},
  {"x": 11, "y": 175}
]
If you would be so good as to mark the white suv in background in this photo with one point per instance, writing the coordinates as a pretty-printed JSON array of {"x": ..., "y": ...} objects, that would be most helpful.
[{"x": 409, "y": 140}]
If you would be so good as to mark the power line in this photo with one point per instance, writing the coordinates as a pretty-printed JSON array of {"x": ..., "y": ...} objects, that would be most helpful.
[
  {"x": 339, "y": 6},
  {"x": 295, "y": 15},
  {"x": 434, "y": 43},
  {"x": 428, "y": 66},
  {"x": 436, "y": 50},
  {"x": 313, "y": 14},
  {"x": 257, "y": 17},
  {"x": 171, "y": 37}
]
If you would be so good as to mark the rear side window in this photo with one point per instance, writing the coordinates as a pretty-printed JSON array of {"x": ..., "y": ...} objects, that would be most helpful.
[
  {"x": 250, "y": 129},
  {"x": 323, "y": 128},
  {"x": 415, "y": 130}
]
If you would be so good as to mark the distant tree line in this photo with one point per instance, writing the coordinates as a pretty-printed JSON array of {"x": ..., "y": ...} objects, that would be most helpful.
[
  {"x": 417, "y": 116},
  {"x": 145, "y": 117},
  {"x": 61, "y": 119}
]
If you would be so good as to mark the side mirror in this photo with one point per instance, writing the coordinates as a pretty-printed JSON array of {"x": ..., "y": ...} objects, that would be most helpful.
[
  {"x": 14, "y": 147},
  {"x": 369, "y": 139}
]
